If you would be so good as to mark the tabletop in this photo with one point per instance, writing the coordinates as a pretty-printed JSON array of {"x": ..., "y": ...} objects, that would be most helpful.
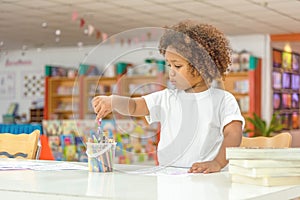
[{"x": 127, "y": 182}]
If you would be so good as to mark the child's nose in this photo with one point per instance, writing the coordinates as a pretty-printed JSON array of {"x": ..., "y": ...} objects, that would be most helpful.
[{"x": 172, "y": 72}]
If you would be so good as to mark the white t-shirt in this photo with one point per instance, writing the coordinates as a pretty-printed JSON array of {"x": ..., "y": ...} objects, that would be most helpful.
[{"x": 191, "y": 123}]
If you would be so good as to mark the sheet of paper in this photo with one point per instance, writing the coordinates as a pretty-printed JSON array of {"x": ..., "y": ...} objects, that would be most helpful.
[
  {"x": 21, "y": 165},
  {"x": 154, "y": 171},
  {"x": 60, "y": 166}
]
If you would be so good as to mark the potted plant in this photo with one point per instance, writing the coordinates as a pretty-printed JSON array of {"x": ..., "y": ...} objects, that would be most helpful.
[{"x": 261, "y": 128}]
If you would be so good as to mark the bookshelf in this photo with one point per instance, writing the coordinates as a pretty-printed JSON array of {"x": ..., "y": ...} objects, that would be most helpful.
[
  {"x": 62, "y": 98},
  {"x": 66, "y": 97},
  {"x": 92, "y": 86},
  {"x": 237, "y": 83},
  {"x": 246, "y": 87},
  {"x": 61, "y": 93},
  {"x": 137, "y": 141},
  {"x": 286, "y": 87}
]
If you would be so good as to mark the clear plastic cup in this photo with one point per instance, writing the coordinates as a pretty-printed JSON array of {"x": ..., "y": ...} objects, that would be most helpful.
[{"x": 100, "y": 156}]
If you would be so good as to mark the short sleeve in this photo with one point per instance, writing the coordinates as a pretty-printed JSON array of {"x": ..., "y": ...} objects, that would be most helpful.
[
  {"x": 230, "y": 111},
  {"x": 154, "y": 103}
]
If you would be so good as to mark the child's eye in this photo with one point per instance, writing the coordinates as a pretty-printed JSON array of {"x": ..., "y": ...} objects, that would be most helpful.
[{"x": 177, "y": 66}]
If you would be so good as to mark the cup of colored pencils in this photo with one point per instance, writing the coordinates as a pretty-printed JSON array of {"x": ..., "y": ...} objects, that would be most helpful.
[{"x": 101, "y": 152}]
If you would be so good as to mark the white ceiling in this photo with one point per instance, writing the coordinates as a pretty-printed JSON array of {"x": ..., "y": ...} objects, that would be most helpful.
[{"x": 21, "y": 20}]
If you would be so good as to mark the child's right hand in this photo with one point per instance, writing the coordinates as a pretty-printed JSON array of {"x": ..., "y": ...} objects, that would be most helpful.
[{"x": 102, "y": 106}]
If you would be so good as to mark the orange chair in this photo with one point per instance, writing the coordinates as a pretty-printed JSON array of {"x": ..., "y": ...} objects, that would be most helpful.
[
  {"x": 19, "y": 145},
  {"x": 281, "y": 140}
]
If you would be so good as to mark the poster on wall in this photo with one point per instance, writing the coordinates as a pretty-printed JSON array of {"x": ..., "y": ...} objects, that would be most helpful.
[
  {"x": 33, "y": 84},
  {"x": 7, "y": 85}
]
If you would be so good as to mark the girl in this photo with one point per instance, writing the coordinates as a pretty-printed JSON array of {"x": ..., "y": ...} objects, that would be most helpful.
[{"x": 197, "y": 120}]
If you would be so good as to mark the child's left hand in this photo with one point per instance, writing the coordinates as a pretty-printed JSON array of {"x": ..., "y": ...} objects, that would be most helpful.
[{"x": 205, "y": 167}]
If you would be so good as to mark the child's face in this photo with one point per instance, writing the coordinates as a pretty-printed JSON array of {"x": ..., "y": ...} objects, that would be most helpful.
[{"x": 179, "y": 75}]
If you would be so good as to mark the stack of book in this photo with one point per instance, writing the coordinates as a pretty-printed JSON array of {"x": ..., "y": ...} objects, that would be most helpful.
[{"x": 264, "y": 166}]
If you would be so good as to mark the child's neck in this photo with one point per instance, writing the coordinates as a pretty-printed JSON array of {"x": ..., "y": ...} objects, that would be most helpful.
[{"x": 198, "y": 87}]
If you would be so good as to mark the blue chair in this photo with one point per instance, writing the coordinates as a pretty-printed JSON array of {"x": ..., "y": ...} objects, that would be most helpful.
[{"x": 20, "y": 128}]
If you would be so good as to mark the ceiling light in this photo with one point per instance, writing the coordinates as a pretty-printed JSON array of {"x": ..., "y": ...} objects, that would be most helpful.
[
  {"x": 79, "y": 44},
  {"x": 57, "y": 32},
  {"x": 287, "y": 47},
  {"x": 24, "y": 47},
  {"x": 44, "y": 24}
]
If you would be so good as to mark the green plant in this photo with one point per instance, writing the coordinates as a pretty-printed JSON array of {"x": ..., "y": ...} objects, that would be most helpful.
[{"x": 260, "y": 126}]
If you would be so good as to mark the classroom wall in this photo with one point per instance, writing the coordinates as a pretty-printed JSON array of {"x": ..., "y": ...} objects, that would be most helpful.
[{"x": 33, "y": 62}]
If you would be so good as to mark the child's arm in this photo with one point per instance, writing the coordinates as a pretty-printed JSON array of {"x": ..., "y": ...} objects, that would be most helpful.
[
  {"x": 103, "y": 105},
  {"x": 232, "y": 138}
]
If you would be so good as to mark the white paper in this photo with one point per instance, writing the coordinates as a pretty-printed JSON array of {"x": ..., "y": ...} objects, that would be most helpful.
[
  {"x": 154, "y": 171},
  {"x": 21, "y": 165}
]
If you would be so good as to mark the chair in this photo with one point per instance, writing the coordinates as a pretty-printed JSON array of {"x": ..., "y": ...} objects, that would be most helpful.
[
  {"x": 19, "y": 145},
  {"x": 281, "y": 140}
]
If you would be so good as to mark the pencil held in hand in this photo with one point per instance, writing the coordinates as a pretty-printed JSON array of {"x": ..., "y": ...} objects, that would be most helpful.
[
  {"x": 102, "y": 106},
  {"x": 99, "y": 133}
]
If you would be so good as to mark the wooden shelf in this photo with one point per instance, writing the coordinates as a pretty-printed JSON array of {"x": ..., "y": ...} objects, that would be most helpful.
[
  {"x": 63, "y": 96},
  {"x": 238, "y": 74},
  {"x": 63, "y": 111},
  {"x": 91, "y": 87},
  {"x": 248, "y": 94},
  {"x": 61, "y": 92},
  {"x": 240, "y": 94}
]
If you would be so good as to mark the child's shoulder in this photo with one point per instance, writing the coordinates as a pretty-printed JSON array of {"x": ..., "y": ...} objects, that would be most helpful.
[
  {"x": 221, "y": 92},
  {"x": 164, "y": 92}
]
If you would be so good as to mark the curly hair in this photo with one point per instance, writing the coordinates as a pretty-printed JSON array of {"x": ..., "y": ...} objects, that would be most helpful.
[{"x": 205, "y": 48}]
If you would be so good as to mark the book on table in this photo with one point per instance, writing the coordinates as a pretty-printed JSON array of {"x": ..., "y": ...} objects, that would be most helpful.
[
  {"x": 264, "y": 171},
  {"x": 246, "y": 153},
  {"x": 265, "y": 163},
  {"x": 267, "y": 180},
  {"x": 264, "y": 166}
]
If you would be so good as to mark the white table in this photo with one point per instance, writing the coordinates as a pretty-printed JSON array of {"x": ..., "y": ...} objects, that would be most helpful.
[{"x": 84, "y": 185}]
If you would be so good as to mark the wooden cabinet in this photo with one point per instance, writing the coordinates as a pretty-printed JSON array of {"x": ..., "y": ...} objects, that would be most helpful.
[
  {"x": 237, "y": 83},
  {"x": 69, "y": 97},
  {"x": 246, "y": 87},
  {"x": 62, "y": 98},
  {"x": 91, "y": 87}
]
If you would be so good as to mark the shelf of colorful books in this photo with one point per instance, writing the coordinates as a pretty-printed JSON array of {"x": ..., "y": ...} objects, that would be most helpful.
[
  {"x": 286, "y": 87},
  {"x": 136, "y": 141}
]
